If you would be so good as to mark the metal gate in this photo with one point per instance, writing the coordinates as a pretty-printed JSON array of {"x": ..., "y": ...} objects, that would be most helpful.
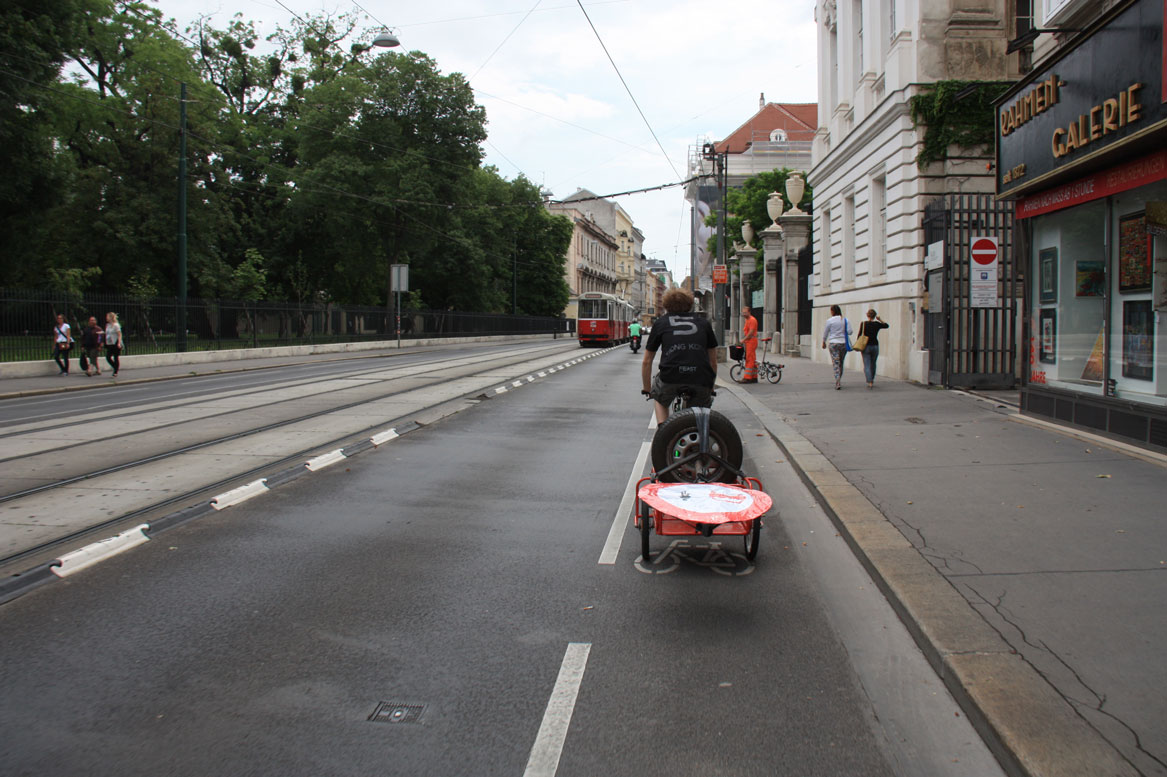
[{"x": 970, "y": 347}]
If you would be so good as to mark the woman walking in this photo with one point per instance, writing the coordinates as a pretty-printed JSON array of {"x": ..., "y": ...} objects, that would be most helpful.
[
  {"x": 836, "y": 338},
  {"x": 871, "y": 328},
  {"x": 62, "y": 343},
  {"x": 113, "y": 342}
]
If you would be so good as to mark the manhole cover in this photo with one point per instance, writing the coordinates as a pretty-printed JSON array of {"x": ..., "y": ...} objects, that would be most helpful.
[{"x": 395, "y": 712}]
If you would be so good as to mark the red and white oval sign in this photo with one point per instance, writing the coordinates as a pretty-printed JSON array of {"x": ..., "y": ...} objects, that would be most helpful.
[{"x": 984, "y": 250}]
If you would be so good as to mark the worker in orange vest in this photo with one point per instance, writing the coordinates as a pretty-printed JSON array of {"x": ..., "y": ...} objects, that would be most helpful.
[{"x": 750, "y": 342}]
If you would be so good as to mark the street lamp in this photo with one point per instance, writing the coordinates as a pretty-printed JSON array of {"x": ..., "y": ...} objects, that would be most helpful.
[{"x": 386, "y": 40}]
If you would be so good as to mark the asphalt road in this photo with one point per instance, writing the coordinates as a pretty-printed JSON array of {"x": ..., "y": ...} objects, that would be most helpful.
[{"x": 453, "y": 576}]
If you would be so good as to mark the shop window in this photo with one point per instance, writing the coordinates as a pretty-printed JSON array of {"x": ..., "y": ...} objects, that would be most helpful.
[
  {"x": 1099, "y": 295},
  {"x": 1139, "y": 295},
  {"x": 1069, "y": 298}
]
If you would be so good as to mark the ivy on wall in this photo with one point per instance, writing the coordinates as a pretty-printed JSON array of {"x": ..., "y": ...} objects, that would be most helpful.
[{"x": 955, "y": 112}]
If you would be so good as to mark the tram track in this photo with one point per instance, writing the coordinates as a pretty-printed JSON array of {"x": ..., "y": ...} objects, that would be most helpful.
[
  {"x": 416, "y": 389},
  {"x": 126, "y": 419}
]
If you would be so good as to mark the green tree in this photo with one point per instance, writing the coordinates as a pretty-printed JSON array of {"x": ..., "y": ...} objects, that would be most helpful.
[
  {"x": 34, "y": 38},
  {"x": 387, "y": 152}
]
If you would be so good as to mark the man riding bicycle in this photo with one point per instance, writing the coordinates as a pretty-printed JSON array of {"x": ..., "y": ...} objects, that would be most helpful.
[{"x": 688, "y": 355}]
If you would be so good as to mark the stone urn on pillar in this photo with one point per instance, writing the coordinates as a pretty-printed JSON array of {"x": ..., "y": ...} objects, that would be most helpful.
[
  {"x": 774, "y": 208},
  {"x": 795, "y": 186},
  {"x": 748, "y": 233}
]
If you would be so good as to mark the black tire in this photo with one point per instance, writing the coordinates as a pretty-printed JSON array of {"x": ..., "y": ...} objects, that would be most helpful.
[
  {"x": 677, "y": 438},
  {"x": 736, "y": 371},
  {"x": 774, "y": 374},
  {"x": 751, "y": 539},
  {"x": 645, "y": 531}
]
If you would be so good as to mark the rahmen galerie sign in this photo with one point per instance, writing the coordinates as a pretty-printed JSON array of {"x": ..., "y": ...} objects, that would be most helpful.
[{"x": 1108, "y": 90}]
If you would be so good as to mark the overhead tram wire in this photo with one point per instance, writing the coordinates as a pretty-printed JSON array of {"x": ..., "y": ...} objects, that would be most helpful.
[
  {"x": 504, "y": 40},
  {"x": 626, "y": 88}
]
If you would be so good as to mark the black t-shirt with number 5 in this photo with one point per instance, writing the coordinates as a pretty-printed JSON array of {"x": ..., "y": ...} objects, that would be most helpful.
[{"x": 684, "y": 340}]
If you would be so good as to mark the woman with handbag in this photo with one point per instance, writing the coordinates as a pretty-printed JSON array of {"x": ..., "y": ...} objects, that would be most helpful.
[
  {"x": 837, "y": 335},
  {"x": 869, "y": 333},
  {"x": 62, "y": 342}
]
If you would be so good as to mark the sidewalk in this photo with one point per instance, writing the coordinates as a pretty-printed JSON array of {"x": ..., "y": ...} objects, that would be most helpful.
[{"x": 1030, "y": 564}]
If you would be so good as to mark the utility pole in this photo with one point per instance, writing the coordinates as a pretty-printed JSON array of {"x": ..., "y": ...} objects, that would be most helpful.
[{"x": 180, "y": 317}]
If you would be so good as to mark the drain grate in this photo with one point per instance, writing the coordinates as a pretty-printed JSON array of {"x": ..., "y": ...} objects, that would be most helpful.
[{"x": 395, "y": 712}]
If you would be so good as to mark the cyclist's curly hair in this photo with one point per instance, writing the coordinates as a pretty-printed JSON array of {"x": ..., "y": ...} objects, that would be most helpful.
[{"x": 678, "y": 300}]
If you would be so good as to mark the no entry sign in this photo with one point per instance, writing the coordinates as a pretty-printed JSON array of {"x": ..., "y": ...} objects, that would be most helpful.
[{"x": 984, "y": 251}]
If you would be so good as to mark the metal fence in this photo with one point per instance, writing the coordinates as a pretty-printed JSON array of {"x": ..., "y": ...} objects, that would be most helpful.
[{"x": 27, "y": 318}]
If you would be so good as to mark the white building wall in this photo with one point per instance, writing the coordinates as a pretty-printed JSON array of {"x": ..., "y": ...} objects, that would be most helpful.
[{"x": 888, "y": 51}]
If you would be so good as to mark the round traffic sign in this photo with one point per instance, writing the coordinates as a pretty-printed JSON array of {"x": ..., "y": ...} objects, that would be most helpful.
[{"x": 984, "y": 250}]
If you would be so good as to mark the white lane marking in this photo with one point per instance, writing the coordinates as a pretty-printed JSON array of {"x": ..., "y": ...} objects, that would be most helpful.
[
  {"x": 99, "y": 551},
  {"x": 237, "y": 495},
  {"x": 324, "y": 460},
  {"x": 542, "y": 373},
  {"x": 517, "y": 383},
  {"x": 548, "y": 747},
  {"x": 500, "y": 390},
  {"x": 530, "y": 378},
  {"x": 620, "y": 522},
  {"x": 384, "y": 437}
]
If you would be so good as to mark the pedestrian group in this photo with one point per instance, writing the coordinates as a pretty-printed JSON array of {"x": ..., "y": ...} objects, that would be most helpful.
[{"x": 94, "y": 340}]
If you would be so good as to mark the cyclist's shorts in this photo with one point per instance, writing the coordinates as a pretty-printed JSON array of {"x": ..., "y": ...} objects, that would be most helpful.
[{"x": 665, "y": 393}]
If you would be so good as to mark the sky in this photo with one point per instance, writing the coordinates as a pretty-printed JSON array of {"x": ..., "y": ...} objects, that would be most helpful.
[{"x": 556, "y": 108}]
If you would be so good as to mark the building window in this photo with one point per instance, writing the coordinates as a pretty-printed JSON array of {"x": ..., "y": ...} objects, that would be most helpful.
[
  {"x": 879, "y": 225},
  {"x": 849, "y": 240},
  {"x": 825, "y": 254},
  {"x": 834, "y": 66},
  {"x": 857, "y": 11}
]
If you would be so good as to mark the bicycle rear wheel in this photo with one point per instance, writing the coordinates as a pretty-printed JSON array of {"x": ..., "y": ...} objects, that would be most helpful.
[{"x": 736, "y": 371}]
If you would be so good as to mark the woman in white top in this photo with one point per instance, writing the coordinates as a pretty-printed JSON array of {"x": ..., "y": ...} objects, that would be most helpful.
[
  {"x": 113, "y": 342},
  {"x": 836, "y": 336},
  {"x": 62, "y": 342}
]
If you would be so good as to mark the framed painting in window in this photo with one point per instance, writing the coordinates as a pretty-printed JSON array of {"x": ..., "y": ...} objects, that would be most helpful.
[
  {"x": 1048, "y": 352},
  {"x": 1134, "y": 253},
  {"x": 1089, "y": 278},
  {"x": 1138, "y": 340},
  {"x": 1047, "y": 265}
]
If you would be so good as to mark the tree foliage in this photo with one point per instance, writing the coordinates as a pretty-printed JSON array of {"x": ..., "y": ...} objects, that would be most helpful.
[{"x": 314, "y": 162}]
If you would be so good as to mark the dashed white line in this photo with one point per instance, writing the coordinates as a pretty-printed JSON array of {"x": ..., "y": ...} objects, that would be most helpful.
[
  {"x": 548, "y": 747},
  {"x": 620, "y": 522}
]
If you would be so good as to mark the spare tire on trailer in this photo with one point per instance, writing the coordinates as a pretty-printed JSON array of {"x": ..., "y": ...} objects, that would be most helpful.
[{"x": 677, "y": 438}]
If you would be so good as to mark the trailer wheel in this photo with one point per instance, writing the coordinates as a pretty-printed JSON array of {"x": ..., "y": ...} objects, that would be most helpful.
[{"x": 751, "y": 539}]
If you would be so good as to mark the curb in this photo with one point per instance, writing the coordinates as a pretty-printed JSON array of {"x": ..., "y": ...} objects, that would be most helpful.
[
  {"x": 20, "y": 583},
  {"x": 1029, "y": 727}
]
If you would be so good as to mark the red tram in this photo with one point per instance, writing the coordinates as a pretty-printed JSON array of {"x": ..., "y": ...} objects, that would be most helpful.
[{"x": 602, "y": 319}]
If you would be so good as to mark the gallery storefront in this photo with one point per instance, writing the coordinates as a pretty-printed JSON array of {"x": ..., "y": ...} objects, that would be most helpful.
[{"x": 1082, "y": 152}]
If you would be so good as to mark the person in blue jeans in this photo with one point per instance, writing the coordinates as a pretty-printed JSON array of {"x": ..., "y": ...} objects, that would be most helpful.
[{"x": 871, "y": 328}]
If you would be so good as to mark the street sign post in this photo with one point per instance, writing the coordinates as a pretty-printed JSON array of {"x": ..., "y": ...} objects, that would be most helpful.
[
  {"x": 984, "y": 256},
  {"x": 399, "y": 280}
]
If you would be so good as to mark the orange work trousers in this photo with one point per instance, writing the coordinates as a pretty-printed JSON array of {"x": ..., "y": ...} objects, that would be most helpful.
[{"x": 751, "y": 371}]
